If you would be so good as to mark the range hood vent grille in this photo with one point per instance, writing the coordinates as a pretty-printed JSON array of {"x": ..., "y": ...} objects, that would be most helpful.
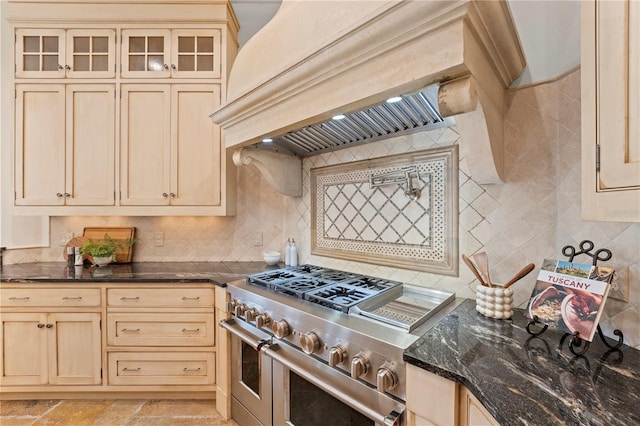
[{"x": 413, "y": 112}]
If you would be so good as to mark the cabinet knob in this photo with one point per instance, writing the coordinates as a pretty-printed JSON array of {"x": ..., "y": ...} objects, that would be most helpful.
[
  {"x": 49, "y": 325},
  {"x": 166, "y": 67},
  {"x": 172, "y": 195},
  {"x": 59, "y": 195},
  {"x": 67, "y": 195},
  {"x": 60, "y": 67},
  {"x": 67, "y": 67},
  {"x": 40, "y": 325},
  {"x": 165, "y": 195},
  {"x": 173, "y": 67}
]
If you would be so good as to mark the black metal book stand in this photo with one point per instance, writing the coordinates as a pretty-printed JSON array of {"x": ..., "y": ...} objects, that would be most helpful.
[{"x": 578, "y": 346}]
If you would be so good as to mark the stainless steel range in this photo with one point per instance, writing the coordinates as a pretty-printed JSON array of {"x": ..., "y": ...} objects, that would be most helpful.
[{"x": 317, "y": 346}]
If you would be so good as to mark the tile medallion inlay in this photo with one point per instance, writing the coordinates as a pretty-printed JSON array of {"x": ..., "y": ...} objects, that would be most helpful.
[{"x": 399, "y": 211}]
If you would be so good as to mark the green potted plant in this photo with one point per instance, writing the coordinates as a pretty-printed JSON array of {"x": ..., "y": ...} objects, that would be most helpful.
[{"x": 102, "y": 252}]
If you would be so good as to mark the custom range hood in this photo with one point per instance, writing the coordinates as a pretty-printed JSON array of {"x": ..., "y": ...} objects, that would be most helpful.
[{"x": 449, "y": 61}]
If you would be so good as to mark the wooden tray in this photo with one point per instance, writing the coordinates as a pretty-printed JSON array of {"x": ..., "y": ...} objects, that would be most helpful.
[{"x": 118, "y": 233}]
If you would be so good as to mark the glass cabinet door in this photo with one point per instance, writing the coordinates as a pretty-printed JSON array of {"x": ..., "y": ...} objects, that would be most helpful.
[
  {"x": 91, "y": 53},
  {"x": 146, "y": 53},
  {"x": 40, "y": 53},
  {"x": 196, "y": 53}
]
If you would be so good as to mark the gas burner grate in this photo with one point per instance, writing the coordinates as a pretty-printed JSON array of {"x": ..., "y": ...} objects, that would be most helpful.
[
  {"x": 307, "y": 269},
  {"x": 299, "y": 286},
  {"x": 266, "y": 279},
  {"x": 377, "y": 285},
  {"x": 339, "y": 296},
  {"x": 336, "y": 276}
]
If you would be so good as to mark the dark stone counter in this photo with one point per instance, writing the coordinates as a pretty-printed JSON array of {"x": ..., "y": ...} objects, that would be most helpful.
[
  {"x": 217, "y": 273},
  {"x": 526, "y": 380}
]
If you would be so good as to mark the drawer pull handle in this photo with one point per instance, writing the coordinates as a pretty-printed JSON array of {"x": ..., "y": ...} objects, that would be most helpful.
[
  {"x": 185, "y": 330},
  {"x": 72, "y": 298},
  {"x": 19, "y": 298},
  {"x": 186, "y": 369},
  {"x": 131, "y": 330},
  {"x": 133, "y": 299},
  {"x": 131, "y": 369},
  {"x": 190, "y": 298}
]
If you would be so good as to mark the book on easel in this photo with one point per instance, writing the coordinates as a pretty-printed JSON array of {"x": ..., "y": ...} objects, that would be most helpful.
[{"x": 570, "y": 296}]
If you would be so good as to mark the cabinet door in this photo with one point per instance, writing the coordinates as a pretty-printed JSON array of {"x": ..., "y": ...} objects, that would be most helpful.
[
  {"x": 91, "y": 53},
  {"x": 23, "y": 349},
  {"x": 40, "y": 146},
  {"x": 196, "y": 147},
  {"x": 90, "y": 148},
  {"x": 611, "y": 110},
  {"x": 40, "y": 53},
  {"x": 75, "y": 348},
  {"x": 195, "y": 53},
  {"x": 472, "y": 413},
  {"x": 146, "y": 53},
  {"x": 145, "y": 144}
]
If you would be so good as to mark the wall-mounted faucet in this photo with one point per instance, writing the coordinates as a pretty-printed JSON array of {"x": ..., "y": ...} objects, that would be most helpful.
[{"x": 402, "y": 177}]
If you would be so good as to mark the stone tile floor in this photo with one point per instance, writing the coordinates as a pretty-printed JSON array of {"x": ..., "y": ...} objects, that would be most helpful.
[{"x": 134, "y": 412}]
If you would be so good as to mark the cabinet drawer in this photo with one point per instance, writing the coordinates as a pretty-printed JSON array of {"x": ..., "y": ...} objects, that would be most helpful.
[
  {"x": 160, "y": 297},
  {"x": 50, "y": 297},
  {"x": 161, "y": 368},
  {"x": 160, "y": 329}
]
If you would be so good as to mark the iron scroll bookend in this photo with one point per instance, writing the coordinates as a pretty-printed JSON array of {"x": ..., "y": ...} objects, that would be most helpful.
[{"x": 578, "y": 346}]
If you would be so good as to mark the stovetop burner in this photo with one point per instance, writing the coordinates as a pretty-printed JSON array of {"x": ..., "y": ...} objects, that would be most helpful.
[{"x": 335, "y": 289}]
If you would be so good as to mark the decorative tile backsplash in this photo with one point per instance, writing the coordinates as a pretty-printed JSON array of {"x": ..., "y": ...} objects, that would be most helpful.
[
  {"x": 396, "y": 210},
  {"x": 528, "y": 218}
]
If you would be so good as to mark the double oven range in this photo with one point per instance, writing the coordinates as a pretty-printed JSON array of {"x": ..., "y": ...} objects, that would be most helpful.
[{"x": 317, "y": 346}]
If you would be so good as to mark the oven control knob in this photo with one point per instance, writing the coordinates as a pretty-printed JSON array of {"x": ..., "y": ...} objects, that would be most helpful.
[
  {"x": 386, "y": 379},
  {"x": 280, "y": 329},
  {"x": 310, "y": 342},
  {"x": 231, "y": 305},
  {"x": 250, "y": 314},
  {"x": 262, "y": 320},
  {"x": 239, "y": 309},
  {"x": 337, "y": 355},
  {"x": 359, "y": 366}
]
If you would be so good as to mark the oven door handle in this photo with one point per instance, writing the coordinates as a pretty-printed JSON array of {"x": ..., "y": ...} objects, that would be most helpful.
[
  {"x": 387, "y": 419},
  {"x": 248, "y": 338}
]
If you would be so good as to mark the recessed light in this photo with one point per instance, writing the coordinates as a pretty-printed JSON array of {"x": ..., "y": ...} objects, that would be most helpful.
[
  {"x": 394, "y": 99},
  {"x": 267, "y": 140},
  {"x": 338, "y": 117}
]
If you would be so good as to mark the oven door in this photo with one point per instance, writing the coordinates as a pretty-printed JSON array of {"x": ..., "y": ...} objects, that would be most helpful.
[
  {"x": 251, "y": 399},
  {"x": 305, "y": 390}
]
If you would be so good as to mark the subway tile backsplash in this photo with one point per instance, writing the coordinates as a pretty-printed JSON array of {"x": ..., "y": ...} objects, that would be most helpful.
[{"x": 527, "y": 219}]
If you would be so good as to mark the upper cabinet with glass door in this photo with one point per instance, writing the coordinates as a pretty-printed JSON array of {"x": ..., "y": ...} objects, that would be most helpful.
[
  {"x": 60, "y": 53},
  {"x": 166, "y": 54}
]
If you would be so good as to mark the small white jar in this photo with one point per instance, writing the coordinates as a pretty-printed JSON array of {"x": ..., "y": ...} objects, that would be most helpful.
[{"x": 494, "y": 302}]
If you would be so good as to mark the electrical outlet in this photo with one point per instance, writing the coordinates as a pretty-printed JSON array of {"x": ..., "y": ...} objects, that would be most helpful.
[
  {"x": 257, "y": 239},
  {"x": 158, "y": 239},
  {"x": 65, "y": 238},
  {"x": 620, "y": 284}
]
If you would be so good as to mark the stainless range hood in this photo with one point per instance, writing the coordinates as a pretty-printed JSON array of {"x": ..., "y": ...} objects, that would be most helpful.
[{"x": 316, "y": 59}]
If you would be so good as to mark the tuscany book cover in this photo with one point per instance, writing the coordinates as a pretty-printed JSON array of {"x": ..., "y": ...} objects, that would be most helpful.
[{"x": 570, "y": 296}]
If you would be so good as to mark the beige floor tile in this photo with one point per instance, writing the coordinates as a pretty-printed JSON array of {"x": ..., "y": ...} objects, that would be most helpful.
[
  {"x": 75, "y": 412},
  {"x": 187, "y": 407},
  {"x": 119, "y": 412},
  {"x": 172, "y": 421},
  {"x": 16, "y": 421},
  {"x": 33, "y": 408}
]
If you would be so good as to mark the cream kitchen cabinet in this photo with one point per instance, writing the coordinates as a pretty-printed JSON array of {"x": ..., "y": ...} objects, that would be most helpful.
[
  {"x": 65, "y": 53},
  {"x": 171, "y": 152},
  {"x": 611, "y": 110},
  {"x": 65, "y": 145},
  {"x": 162, "y": 53},
  {"x": 44, "y": 342},
  {"x": 161, "y": 336},
  {"x": 435, "y": 401}
]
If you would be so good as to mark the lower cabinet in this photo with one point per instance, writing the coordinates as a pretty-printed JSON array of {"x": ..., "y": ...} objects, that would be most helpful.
[
  {"x": 50, "y": 348},
  {"x": 107, "y": 339},
  {"x": 435, "y": 401},
  {"x": 161, "y": 336}
]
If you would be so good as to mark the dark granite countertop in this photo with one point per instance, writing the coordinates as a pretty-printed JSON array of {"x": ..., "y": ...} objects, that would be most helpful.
[
  {"x": 526, "y": 380},
  {"x": 217, "y": 273}
]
